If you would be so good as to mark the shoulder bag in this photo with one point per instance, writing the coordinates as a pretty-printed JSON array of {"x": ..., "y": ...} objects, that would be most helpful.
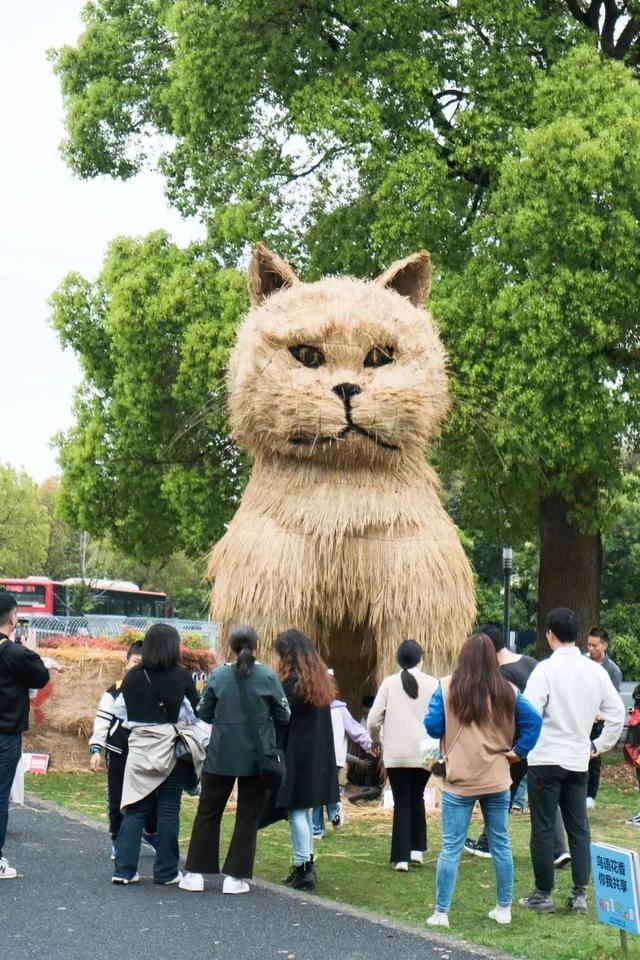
[
  {"x": 439, "y": 764},
  {"x": 271, "y": 769}
]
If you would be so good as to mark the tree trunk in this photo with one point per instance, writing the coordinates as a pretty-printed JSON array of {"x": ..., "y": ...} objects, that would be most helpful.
[{"x": 570, "y": 569}]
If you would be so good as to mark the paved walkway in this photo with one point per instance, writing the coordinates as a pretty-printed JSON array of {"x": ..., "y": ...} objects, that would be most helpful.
[{"x": 62, "y": 906}]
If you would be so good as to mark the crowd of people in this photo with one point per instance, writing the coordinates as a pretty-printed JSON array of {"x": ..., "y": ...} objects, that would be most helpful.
[{"x": 279, "y": 738}]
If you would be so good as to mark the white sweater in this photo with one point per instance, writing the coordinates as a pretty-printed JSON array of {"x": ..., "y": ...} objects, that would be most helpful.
[
  {"x": 401, "y": 719},
  {"x": 569, "y": 691}
]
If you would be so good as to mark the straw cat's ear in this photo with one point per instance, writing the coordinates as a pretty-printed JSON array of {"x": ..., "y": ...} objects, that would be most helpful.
[
  {"x": 267, "y": 273},
  {"x": 410, "y": 277}
]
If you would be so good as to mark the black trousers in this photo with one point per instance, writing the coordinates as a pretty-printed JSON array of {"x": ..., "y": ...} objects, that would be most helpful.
[
  {"x": 595, "y": 764},
  {"x": 551, "y": 786},
  {"x": 409, "y": 830},
  {"x": 116, "y": 763},
  {"x": 204, "y": 846}
]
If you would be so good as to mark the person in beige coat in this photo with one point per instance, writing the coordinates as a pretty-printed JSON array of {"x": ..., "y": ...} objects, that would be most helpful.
[{"x": 396, "y": 721}]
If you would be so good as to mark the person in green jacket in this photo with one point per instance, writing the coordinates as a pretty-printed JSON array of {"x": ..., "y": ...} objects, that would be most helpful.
[{"x": 231, "y": 756}]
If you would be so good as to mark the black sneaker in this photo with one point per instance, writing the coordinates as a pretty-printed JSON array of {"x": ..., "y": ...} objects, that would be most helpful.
[
  {"x": 470, "y": 846},
  {"x": 539, "y": 901},
  {"x": 577, "y": 900},
  {"x": 482, "y": 849}
]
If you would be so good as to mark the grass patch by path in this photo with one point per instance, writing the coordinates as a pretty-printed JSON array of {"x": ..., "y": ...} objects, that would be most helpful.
[{"x": 353, "y": 868}]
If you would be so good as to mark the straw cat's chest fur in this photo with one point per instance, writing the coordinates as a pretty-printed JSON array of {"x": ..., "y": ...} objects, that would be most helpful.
[{"x": 334, "y": 389}]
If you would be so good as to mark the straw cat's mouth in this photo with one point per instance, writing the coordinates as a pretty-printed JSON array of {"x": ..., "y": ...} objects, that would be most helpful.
[{"x": 351, "y": 427}]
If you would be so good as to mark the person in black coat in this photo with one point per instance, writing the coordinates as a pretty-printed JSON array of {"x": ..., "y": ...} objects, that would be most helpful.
[
  {"x": 232, "y": 754},
  {"x": 312, "y": 778},
  {"x": 21, "y": 669}
]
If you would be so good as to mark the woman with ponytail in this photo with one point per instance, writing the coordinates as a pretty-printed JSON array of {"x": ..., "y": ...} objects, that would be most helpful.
[
  {"x": 395, "y": 720},
  {"x": 232, "y": 756}
]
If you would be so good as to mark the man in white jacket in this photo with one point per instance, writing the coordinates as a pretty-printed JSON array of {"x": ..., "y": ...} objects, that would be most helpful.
[{"x": 569, "y": 691}]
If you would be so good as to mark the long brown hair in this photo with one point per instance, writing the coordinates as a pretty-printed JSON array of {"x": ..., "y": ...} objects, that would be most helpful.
[
  {"x": 299, "y": 658},
  {"x": 478, "y": 692}
]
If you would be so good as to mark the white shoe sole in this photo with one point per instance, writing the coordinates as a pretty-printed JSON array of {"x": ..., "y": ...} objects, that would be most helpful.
[
  {"x": 193, "y": 882},
  {"x": 502, "y": 919},
  {"x": 438, "y": 920},
  {"x": 235, "y": 891},
  {"x": 121, "y": 882}
]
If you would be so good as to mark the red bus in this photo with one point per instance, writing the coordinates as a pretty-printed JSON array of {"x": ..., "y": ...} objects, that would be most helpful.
[{"x": 39, "y": 595}]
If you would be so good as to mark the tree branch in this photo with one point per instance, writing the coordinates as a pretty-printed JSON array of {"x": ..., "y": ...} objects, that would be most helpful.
[
  {"x": 589, "y": 17},
  {"x": 607, "y": 37},
  {"x": 630, "y": 32},
  {"x": 621, "y": 357}
]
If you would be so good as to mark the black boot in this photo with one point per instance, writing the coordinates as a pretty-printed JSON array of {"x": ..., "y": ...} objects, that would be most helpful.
[
  {"x": 290, "y": 876},
  {"x": 305, "y": 878}
]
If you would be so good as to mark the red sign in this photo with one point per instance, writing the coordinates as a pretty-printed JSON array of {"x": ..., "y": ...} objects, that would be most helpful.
[{"x": 35, "y": 762}]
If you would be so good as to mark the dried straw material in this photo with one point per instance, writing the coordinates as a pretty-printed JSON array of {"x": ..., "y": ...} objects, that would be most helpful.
[
  {"x": 62, "y": 722},
  {"x": 341, "y": 531}
]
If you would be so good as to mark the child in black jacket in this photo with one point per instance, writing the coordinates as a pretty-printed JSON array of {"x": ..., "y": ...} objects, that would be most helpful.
[{"x": 109, "y": 735}]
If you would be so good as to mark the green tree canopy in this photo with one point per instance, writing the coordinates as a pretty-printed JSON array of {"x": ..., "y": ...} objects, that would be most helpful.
[
  {"x": 148, "y": 459},
  {"x": 24, "y": 525},
  {"x": 349, "y": 134},
  {"x": 545, "y": 318}
]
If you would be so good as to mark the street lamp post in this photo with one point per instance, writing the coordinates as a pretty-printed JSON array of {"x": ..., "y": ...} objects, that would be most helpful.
[{"x": 507, "y": 568}]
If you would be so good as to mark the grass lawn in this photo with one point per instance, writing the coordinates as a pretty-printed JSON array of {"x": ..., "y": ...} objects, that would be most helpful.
[{"x": 353, "y": 868}]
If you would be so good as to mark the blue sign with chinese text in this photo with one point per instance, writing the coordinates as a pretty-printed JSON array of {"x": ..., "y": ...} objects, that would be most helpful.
[{"x": 616, "y": 877}]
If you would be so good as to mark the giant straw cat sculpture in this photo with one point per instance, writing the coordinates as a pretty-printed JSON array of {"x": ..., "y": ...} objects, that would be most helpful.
[{"x": 334, "y": 389}]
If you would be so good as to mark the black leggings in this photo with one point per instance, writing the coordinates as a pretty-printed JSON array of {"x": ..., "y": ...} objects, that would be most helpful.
[{"x": 409, "y": 821}]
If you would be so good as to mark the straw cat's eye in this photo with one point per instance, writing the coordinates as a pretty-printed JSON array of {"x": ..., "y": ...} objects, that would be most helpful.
[
  {"x": 307, "y": 356},
  {"x": 379, "y": 356}
]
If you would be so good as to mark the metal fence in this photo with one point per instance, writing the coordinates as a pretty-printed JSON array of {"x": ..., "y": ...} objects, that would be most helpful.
[{"x": 95, "y": 625}]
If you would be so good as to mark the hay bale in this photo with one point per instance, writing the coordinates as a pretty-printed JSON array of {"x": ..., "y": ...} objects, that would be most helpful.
[{"x": 62, "y": 713}]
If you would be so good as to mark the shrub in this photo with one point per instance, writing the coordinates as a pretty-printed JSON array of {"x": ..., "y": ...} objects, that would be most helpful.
[
  {"x": 129, "y": 635},
  {"x": 193, "y": 641},
  {"x": 92, "y": 643},
  {"x": 625, "y": 651}
]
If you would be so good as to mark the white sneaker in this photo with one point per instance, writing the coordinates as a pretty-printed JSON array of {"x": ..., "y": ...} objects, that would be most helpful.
[
  {"x": 438, "y": 920},
  {"x": 401, "y": 866},
  {"x": 176, "y": 879},
  {"x": 121, "y": 880},
  {"x": 500, "y": 914},
  {"x": 590, "y": 803},
  {"x": 634, "y": 821},
  {"x": 233, "y": 885},
  {"x": 193, "y": 882},
  {"x": 7, "y": 872},
  {"x": 417, "y": 857}
]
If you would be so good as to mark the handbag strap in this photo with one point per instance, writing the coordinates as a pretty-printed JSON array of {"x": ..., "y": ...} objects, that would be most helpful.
[
  {"x": 159, "y": 702},
  {"x": 455, "y": 740},
  {"x": 457, "y": 736},
  {"x": 244, "y": 700}
]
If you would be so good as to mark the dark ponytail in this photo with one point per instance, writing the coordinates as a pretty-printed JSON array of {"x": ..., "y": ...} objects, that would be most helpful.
[
  {"x": 409, "y": 654},
  {"x": 243, "y": 641}
]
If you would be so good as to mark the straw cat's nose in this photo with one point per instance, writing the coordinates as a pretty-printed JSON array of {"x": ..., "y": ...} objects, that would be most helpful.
[{"x": 347, "y": 390}]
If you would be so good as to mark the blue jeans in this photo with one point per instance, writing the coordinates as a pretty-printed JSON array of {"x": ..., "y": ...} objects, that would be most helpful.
[
  {"x": 10, "y": 753},
  {"x": 301, "y": 826},
  {"x": 165, "y": 866},
  {"x": 456, "y": 816},
  {"x": 333, "y": 809}
]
